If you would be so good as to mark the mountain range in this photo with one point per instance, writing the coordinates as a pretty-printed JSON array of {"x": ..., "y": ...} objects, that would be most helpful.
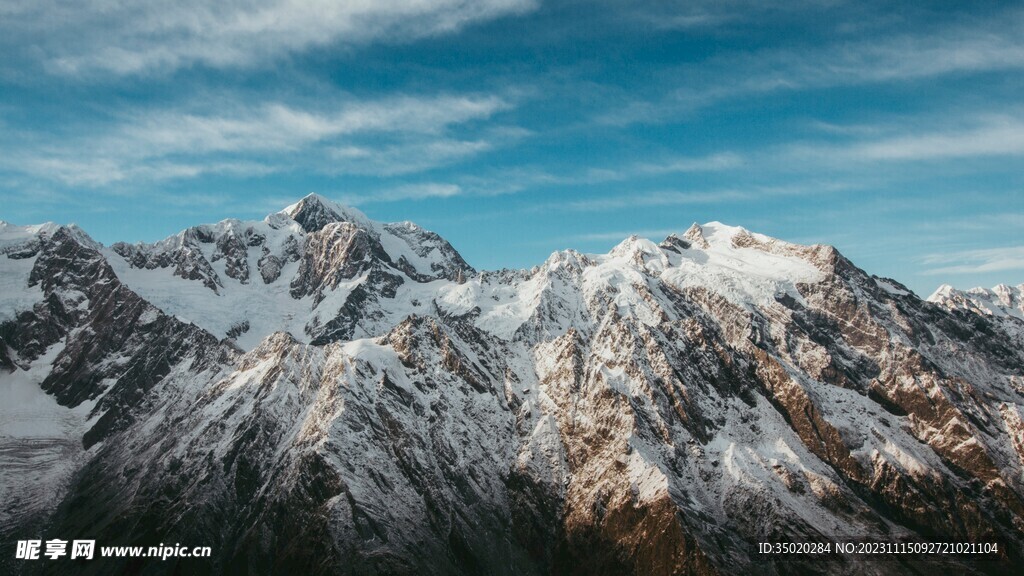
[{"x": 321, "y": 393}]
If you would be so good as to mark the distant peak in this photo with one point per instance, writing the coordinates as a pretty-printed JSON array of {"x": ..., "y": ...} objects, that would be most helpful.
[
  {"x": 314, "y": 199},
  {"x": 634, "y": 244},
  {"x": 314, "y": 212},
  {"x": 695, "y": 235},
  {"x": 81, "y": 236},
  {"x": 723, "y": 232}
]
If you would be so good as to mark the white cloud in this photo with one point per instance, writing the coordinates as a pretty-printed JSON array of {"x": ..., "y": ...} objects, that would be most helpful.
[
  {"x": 406, "y": 157},
  {"x": 394, "y": 135},
  {"x": 690, "y": 14},
  {"x": 975, "y": 261},
  {"x": 962, "y": 48},
  {"x": 658, "y": 198},
  {"x": 712, "y": 163},
  {"x": 998, "y": 137},
  {"x": 276, "y": 126},
  {"x": 417, "y": 191},
  {"x": 725, "y": 196},
  {"x": 521, "y": 178},
  {"x": 901, "y": 58},
  {"x": 87, "y": 170},
  {"x": 989, "y": 136},
  {"x": 1006, "y": 220},
  {"x": 131, "y": 37}
]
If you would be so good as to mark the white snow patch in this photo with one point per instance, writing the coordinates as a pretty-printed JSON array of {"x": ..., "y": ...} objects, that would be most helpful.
[
  {"x": 40, "y": 441},
  {"x": 15, "y": 293}
]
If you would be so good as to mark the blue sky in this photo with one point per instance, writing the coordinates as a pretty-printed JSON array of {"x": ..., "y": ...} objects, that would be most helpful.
[{"x": 514, "y": 128}]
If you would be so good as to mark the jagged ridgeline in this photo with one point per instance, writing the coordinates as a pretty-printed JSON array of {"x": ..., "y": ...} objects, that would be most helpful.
[{"x": 318, "y": 393}]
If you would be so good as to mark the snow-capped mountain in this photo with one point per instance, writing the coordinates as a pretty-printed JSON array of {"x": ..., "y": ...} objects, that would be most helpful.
[
  {"x": 320, "y": 393},
  {"x": 1000, "y": 301},
  {"x": 1003, "y": 304},
  {"x": 293, "y": 272}
]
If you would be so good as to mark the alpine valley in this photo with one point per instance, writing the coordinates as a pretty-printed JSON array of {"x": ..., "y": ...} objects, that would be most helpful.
[{"x": 319, "y": 393}]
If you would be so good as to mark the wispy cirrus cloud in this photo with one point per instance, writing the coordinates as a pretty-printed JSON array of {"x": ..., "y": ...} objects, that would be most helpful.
[
  {"x": 1006, "y": 221},
  {"x": 529, "y": 177},
  {"x": 97, "y": 170},
  {"x": 126, "y": 38},
  {"x": 711, "y": 163},
  {"x": 1002, "y": 136},
  {"x": 984, "y": 136},
  {"x": 724, "y": 196},
  {"x": 396, "y": 134},
  {"x": 415, "y": 191},
  {"x": 966, "y": 47},
  {"x": 657, "y": 198},
  {"x": 405, "y": 157},
  {"x": 986, "y": 260},
  {"x": 702, "y": 14},
  {"x": 277, "y": 126}
]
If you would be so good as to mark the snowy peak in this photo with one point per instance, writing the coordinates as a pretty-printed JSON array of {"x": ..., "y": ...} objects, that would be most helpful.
[
  {"x": 1009, "y": 296},
  {"x": 12, "y": 234},
  {"x": 14, "y": 238},
  {"x": 638, "y": 251},
  {"x": 743, "y": 267},
  {"x": 1000, "y": 301},
  {"x": 323, "y": 271},
  {"x": 719, "y": 233},
  {"x": 317, "y": 269},
  {"x": 421, "y": 254},
  {"x": 314, "y": 212},
  {"x": 941, "y": 293},
  {"x": 569, "y": 259},
  {"x": 695, "y": 235}
]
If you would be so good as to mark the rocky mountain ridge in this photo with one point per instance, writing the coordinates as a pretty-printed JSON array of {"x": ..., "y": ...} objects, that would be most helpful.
[{"x": 323, "y": 393}]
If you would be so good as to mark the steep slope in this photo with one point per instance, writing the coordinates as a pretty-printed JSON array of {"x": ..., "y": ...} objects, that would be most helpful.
[
  {"x": 315, "y": 269},
  {"x": 655, "y": 410},
  {"x": 80, "y": 354}
]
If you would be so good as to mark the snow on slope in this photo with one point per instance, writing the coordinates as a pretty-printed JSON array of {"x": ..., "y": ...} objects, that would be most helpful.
[
  {"x": 239, "y": 277},
  {"x": 17, "y": 257},
  {"x": 568, "y": 280},
  {"x": 265, "y": 307},
  {"x": 748, "y": 269},
  {"x": 1000, "y": 301},
  {"x": 12, "y": 235},
  {"x": 40, "y": 442},
  {"x": 501, "y": 301}
]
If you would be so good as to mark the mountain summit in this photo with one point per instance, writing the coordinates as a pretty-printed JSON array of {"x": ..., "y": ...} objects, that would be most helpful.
[
  {"x": 320, "y": 393},
  {"x": 314, "y": 212}
]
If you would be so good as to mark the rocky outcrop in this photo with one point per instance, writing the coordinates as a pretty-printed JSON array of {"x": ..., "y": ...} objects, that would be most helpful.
[{"x": 337, "y": 252}]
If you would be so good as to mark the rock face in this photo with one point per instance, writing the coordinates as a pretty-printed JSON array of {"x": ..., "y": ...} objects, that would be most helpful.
[
  {"x": 95, "y": 347},
  {"x": 370, "y": 404}
]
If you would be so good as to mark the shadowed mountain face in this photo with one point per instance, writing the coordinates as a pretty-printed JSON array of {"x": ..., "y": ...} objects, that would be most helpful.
[{"x": 320, "y": 393}]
